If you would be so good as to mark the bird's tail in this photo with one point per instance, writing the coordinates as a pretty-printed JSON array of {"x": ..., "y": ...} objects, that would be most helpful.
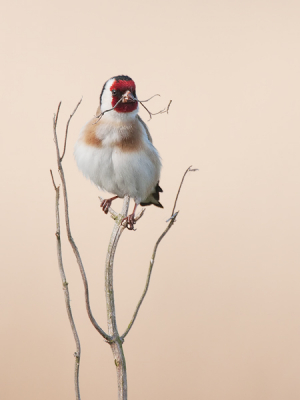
[{"x": 153, "y": 198}]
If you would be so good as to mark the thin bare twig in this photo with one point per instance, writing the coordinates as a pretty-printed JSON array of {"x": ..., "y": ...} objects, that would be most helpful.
[
  {"x": 172, "y": 220},
  {"x": 165, "y": 110},
  {"x": 169, "y": 106},
  {"x": 66, "y": 290},
  {"x": 149, "y": 275},
  {"x": 101, "y": 115},
  {"x": 51, "y": 173},
  {"x": 56, "y": 115},
  {"x": 67, "y": 127},
  {"x": 188, "y": 170},
  {"x": 159, "y": 112},
  {"x": 71, "y": 240},
  {"x": 150, "y": 98}
]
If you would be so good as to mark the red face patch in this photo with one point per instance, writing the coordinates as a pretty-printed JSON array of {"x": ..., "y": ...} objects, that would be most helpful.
[{"x": 118, "y": 88}]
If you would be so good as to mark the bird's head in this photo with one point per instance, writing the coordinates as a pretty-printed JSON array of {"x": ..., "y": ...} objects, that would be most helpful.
[{"x": 119, "y": 92}]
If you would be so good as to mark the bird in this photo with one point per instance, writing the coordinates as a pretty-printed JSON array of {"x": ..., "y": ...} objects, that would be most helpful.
[{"x": 115, "y": 149}]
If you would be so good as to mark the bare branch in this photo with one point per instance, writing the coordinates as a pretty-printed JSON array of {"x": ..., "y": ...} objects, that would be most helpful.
[
  {"x": 188, "y": 170},
  {"x": 56, "y": 115},
  {"x": 109, "y": 291},
  {"x": 169, "y": 106},
  {"x": 66, "y": 291},
  {"x": 67, "y": 127},
  {"x": 51, "y": 173},
  {"x": 139, "y": 215},
  {"x": 149, "y": 275},
  {"x": 116, "y": 343},
  {"x": 71, "y": 240},
  {"x": 172, "y": 220}
]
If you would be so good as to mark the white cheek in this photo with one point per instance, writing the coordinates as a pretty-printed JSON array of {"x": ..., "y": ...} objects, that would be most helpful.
[{"x": 107, "y": 96}]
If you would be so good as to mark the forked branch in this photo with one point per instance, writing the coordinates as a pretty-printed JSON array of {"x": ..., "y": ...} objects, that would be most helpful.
[
  {"x": 179, "y": 189},
  {"x": 67, "y": 128},
  {"x": 70, "y": 238}
]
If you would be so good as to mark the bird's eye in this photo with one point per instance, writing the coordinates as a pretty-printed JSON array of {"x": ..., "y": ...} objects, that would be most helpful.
[{"x": 114, "y": 92}]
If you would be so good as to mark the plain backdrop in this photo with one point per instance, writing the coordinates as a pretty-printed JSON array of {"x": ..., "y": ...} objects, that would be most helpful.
[{"x": 221, "y": 319}]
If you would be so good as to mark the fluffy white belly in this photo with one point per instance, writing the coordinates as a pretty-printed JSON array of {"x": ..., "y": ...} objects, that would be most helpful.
[{"x": 122, "y": 173}]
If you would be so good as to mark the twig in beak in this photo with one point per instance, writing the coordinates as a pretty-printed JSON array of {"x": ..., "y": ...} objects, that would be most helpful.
[
  {"x": 139, "y": 101},
  {"x": 101, "y": 115},
  {"x": 144, "y": 101},
  {"x": 159, "y": 112}
]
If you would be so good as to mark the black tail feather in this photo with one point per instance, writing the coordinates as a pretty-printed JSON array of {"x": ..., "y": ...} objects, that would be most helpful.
[{"x": 153, "y": 198}]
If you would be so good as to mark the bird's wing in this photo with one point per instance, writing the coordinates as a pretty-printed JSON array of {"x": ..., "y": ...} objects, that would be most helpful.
[{"x": 146, "y": 128}]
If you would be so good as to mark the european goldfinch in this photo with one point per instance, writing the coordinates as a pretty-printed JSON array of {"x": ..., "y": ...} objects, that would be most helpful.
[{"x": 115, "y": 149}]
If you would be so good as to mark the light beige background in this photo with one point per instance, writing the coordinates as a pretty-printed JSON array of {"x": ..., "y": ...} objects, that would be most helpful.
[{"x": 221, "y": 320}]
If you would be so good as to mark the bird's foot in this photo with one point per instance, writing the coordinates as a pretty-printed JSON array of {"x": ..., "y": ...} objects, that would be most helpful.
[
  {"x": 130, "y": 222},
  {"x": 105, "y": 204}
]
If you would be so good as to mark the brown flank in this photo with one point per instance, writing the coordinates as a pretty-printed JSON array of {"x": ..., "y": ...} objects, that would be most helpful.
[{"x": 89, "y": 136}]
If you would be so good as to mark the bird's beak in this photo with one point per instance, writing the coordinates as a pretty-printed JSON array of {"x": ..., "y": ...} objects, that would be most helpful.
[{"x": 128, "y": 97}]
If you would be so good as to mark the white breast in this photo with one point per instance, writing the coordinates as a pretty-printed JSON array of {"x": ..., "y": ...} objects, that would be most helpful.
[{"x": 134, "y": 173}]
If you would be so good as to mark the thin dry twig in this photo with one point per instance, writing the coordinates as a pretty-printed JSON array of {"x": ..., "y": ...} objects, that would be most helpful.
[
  {"x": 172, "y": 221},
  {"x": 101, "y": 115},
  {"x": 56, "y": 115},
  {"x": 188, "y": 170},
  {"x": 51, "y": 173},
  {"x": 66, "y": 290},
  {"x": 148, "y": 275},
  {"x": 169, "y": 106},
  {"x": 70, "y": 238},
  {"x": 165, "y": 110},
  {"x": 67, "y": 127},
  {"x": 150, "y": 98}
]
